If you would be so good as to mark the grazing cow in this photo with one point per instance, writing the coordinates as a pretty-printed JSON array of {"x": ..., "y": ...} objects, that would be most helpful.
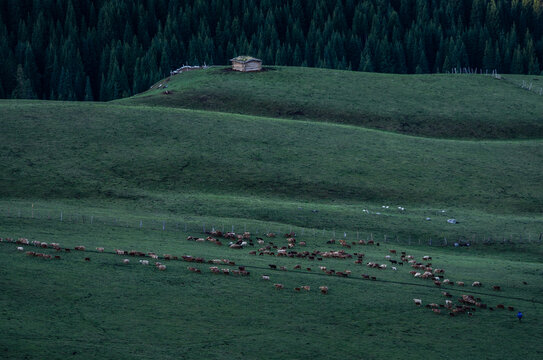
[
  {"x": 460, "y": 283},
  {"x": 510, "y": 308},
  {"x": 323, "y": 289},
  {"x": 477, "y": 283},
  {"x": 278, "y": 286},
  {"x": 496, "y": 288},
  {"x": 308, "y": 269},
  {"x": 57, "y": 257},
  {"x": 80, "y": 248},
  {"x": 20, "y": 248},
  {"x": 87, "y": 259},
  {"x": 365, "y": 276},
  {"x": 297, "y": 289},
  {"x": 373, "y": 278},
  {"x": 448, "y": 304},
  {"x": 119, "y": 252},
  {"x": 436, "y": 311},
  {"x": 500, "y": 306},
  {"x": 306, "y": 287},
  {"x": 265, "y": 277},
  {"x": 426, "y": 258},
  {"x": 272, "y": 266},
  {"x": 446, "y": 294},
  {"x": 100, "y": 249},
  {"x": 126, "y": 261},
  {"x": 437, "y": 283},
  {"x": 392, "y": 251},
  {"x": 297, "y": 267},
  {"x": 418, "y": 302},
  {"x": 394, "y": 268},
  {"x": 144, "y": 262},
  {"x": 161, "y": 267}
]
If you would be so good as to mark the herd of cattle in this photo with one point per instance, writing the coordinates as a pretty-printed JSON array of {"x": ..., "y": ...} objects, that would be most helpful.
[{"x": 466, "y": 304}]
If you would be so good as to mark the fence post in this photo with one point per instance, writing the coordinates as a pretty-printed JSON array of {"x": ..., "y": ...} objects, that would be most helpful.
[{"x": 61, "y": 216}]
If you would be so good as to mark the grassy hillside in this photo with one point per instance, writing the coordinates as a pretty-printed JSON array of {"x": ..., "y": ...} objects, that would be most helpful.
[
  {"x": 129, "y": 176},
  {"x": 447, "y": 106},
  {"x": 107, "y": 309},
  {"x": 221, "y": 165}
]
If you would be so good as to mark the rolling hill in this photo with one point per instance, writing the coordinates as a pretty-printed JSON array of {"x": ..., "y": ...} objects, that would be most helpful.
[
  {"x": 440, "y": 105},
  {"x": 319, "y": 153}
]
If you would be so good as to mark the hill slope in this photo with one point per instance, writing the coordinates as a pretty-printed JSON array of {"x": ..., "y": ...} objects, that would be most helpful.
[
  {"x": 223, "y": 165},
  {"x": 447, "y": 106}
]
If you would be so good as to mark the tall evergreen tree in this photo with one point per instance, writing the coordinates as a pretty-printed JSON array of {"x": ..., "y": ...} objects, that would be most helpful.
[{"x": 23, "y": 90}]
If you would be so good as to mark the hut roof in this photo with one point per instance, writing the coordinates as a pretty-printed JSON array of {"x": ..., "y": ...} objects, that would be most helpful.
[{"x": 245, "y": 59}]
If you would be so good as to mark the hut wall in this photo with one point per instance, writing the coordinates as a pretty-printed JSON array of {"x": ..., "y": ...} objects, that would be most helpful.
[{"x": 237, "y": 66}]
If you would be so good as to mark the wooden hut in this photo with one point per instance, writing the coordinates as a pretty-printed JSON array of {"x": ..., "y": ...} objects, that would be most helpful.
[{"x": 246, "y": 63}]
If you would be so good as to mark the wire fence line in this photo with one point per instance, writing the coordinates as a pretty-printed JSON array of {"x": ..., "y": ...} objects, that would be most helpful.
[{"x": 190, "y": 225}]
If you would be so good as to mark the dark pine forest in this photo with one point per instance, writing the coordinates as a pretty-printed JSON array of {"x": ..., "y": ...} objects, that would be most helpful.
[{"x": 106, "y": 49}]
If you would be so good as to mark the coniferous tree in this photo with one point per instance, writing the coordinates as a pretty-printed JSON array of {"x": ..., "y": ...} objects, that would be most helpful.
[
  {"x": 65, "y": 45},
  {"x": 88, "y": 90},
  {"x": 23, "y": 90}
]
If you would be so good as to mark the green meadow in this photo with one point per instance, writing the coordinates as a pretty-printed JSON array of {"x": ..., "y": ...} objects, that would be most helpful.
[{"x": 325, "y": 154}]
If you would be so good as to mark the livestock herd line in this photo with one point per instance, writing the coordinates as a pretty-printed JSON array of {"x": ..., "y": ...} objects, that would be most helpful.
[{"x": 393, "y": 260}]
